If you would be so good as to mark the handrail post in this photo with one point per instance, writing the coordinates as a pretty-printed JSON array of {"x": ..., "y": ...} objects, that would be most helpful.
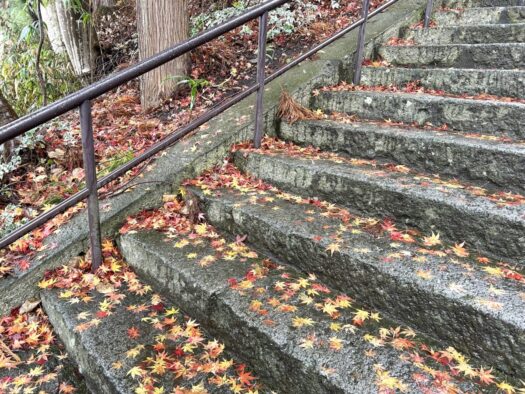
[
  {"x": 361, "y": 44},
  {"x": 261, "y": 64},
  {"x": 428, "y": 14},
  {"x": 90, "y": 169}
]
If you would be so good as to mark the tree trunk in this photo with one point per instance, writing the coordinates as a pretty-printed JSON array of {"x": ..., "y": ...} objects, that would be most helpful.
[
  {"x": 49, "y": 15},
  {"x": 78, "y": 38},
  {"x": 7, "y": 115},
  {"x": 105, "y": 3},
  {"x": 161, "y": 24}
]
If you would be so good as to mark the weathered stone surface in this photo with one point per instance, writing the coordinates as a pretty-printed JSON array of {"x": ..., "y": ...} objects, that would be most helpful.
[
  {"x": 58, "y": 372},
  {"x": 96, "y": 350},
  {"x": 102, "y": 352},
  {"x": 498, "y": 164},
  {"x": 273, "y": 349},
  {"x": 450, "y": 306},
  {"x": 477, "y": 34},
  {"x": 505, "y": 83},
  {"x": 189, "y": 158},
  {"x": 481, "y": 3},
  {"x": 184, "y": 160},
  {"x": 474, "y": 16},
  {"x": 498, "y": 56},
  {"x": 473, "y": 116},
  {"x": 456, "y": 214}
]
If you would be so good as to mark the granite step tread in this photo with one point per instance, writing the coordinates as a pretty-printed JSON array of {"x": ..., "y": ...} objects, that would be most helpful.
[
  {"x": 127, "y": 339},
  {"x": 483, "y": 15},
  {"x": 32, "y": 358},
  {"x": 485, "y": 160},
  {"x": 459, "y": 212},
  {"x": 482, "y": 3},
  {"x": 469, "y": 115},
  {"x": 503, "y": 83},
  {"x": 399, "y": 279},
  {"x": 279, "y": 318},
  {"x": 476, "y": 34},
  {"x": 508, "y": 56}
]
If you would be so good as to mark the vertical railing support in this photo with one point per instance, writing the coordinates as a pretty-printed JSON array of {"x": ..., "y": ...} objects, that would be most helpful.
[
  {"x": 428, "y": 14},
  {"x": 361, "y": 44},
  {"x": 90, "y": 169},
  {"x": 261, "y": 64}
]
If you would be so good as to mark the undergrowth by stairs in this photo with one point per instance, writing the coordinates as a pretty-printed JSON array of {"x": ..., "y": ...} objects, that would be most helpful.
[{"x": 379, "y": 249}]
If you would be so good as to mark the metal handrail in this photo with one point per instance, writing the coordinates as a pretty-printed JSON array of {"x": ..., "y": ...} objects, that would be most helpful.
[{"x": 82, "y": 99}]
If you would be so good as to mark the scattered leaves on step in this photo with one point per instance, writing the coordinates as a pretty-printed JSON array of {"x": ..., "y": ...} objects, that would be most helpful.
[
  {"x": 275, "y": 147},
  {"x": 397, "y": 41},
  {"x": 414, "y": 87},
  {"x": 31, "y": 359},
  {"x": 179, "y": 353},
  {"x": 275, "y": 295}
]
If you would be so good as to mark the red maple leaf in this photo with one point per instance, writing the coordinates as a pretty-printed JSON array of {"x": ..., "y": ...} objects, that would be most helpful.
[{"x": 133, "y": 333}]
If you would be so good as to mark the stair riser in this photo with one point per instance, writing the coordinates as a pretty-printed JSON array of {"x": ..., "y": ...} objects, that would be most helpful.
[
  {"x": 497, "y": 56},
  {"x": 496, "y": 235},
  {"x": 480, "y": 16},
  {"x": 373, "y": 283},
  {"x": 482, "y": 3},
  {"x": 469, "y": 35},
  {"x": 476, "y": 116},
  {"x": 504, "y": 83},
  {"x": 214, "y": 309},
  {"x": 432, "y": 155}
]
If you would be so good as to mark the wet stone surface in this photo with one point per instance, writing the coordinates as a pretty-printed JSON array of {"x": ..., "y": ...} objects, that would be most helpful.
[{"x": 410, "y": 283}]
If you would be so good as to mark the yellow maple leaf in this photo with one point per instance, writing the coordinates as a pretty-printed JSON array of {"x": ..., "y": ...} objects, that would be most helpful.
[
  {"x": 333, "y": 247},
  {"x": 335, "y": 343},
  {"x": 424, "y": 274},
  {"x": 506, "y": 388},
  {"x": 136, "y": 371},
  {"x": 330, "y": 309},
  {"x": 460, "y": 251},
  {"x": 299, "y": 322},
  {"x": 433, "y": 240}
]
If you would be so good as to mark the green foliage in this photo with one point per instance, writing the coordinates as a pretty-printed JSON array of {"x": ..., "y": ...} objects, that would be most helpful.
[
  {"x": 19, "y": 37},
  {"x": 284, "y": 20},
  {"x": 195, "y": 85},
  {"x": 216, "y": 17},
  {"x": 115, "y": 162}
]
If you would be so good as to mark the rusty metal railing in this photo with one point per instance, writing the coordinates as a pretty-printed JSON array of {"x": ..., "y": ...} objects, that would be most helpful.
[{"x": 83, "y": 98}]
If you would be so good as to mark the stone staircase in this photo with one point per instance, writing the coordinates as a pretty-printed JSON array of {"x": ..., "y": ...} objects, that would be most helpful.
[{"x": 358, "y": 253}]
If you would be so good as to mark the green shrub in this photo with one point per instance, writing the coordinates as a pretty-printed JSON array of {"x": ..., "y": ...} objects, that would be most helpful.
[{"x": 19, "y": 37}]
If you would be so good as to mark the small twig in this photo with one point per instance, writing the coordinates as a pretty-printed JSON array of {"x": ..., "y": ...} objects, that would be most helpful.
[
  {"x": 41, "y": 79},
  {"x": 9, "y": 352}
]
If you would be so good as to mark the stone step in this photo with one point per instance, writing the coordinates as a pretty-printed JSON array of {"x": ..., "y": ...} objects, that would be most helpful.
[
  {"x": 248, "y": 302},
  {"x": 117, "y": 346},
  {"x": 420, "y": 200},
  {"x": 442, "y": 296},
  {"x": 495, "y": 56},
  {"x": 470, "y": 115},
  {"x": 489, "y": 162},
  {"x": 504, "y": 83},
  {"x": 482, "y": 3},
  {"x": 483, "y": 15},
  {"x": 478, "y": 34}
]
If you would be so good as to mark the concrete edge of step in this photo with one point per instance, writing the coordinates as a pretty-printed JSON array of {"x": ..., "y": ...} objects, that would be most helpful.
[
  {"x": 480, "y": 328},
  {"x": 457, "y": 214},
  {"x": 197, "y": 153}
]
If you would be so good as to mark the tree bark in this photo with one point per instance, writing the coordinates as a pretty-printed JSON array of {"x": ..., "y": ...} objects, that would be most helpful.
[
  {"x": 104, "y": 3},
  {"x": 49, "y": 15},
  {"x": 7, "y": 115},
  {"x": 67, "y": 32},
  {"x": 161, "y": 24}
]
